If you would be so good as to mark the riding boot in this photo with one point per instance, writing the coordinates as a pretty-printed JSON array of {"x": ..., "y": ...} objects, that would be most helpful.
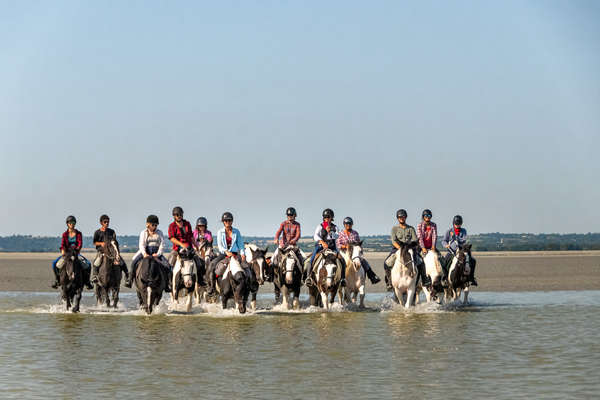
[
  {"x": 211, "y": 283},
  {"x": 373, "y": 276},
  {"x": 94, "y": 277},
  {"x": 124, "y": 270},
  {"x": 425, "y": 279},
  {"x": 131, "y": 277},
  {"x": 56, "y": 282},
  {"x": 306, "y": 277},
  {"x": 388, "y": 278},
  {"x": 343, "y": 281},
  {"x": 86, "y": 278},
  {"x": 472, "y": 276}
]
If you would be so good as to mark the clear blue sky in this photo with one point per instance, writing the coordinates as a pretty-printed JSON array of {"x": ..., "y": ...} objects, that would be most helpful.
[{"x": 483, "y": 108}]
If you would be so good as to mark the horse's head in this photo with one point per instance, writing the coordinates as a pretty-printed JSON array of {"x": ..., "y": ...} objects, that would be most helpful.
[
  {"x": 406, "y": 256},
  {"x": 289, "y": 262},
  {"x": 355, "y": 253},
  {"x": 239, "y": 283},
  {"x": 71, "y": 266},
  {"x": 463, "y": 259},
  {"x": 328, "y": 270},
  {"x": 188, "y": 266},
  {"x": 111, "y": 251},
  {"x": 257, "y": 259}
]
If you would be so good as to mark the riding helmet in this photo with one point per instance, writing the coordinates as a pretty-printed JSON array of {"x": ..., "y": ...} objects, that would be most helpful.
[
  {"x": 457, "y": 220},
  {"x": 178, "y": 210},
  {"x": 426, "y": 213},
  {"x": 72, "y": 219},
  {"x": 328, "y": 213},
  {"x": 201, "y": 221},
  {"x": 152, "y": 219},
  {"x": 290, "y": 211},
  {"x": 401, "y": 213},
  {"x": 227, "y": 216},
  {"x": 348, "y": 220},
  {"x": 104, "y": 217}
]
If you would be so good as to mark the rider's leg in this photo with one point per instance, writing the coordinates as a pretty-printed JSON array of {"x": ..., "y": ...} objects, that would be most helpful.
[
  {"x": 134, "y": 265},
  {"x": 56, "y": 282},
  {"x": 123, "y": 267},
  {"x": 96, "y": 266},
  {"x": 342, "y": 264},
  {"x": 308, "y": 269},
  {"x": 425, "y": 279},
  {"x": 369, "y": 271},
  {"x": 388, "y": 269},
  {"x": 87, "y": 271},
  {"x": 200, "y": 270},
  {"x": 211, "y": 275},
  {"x": 473, "y": 263}
]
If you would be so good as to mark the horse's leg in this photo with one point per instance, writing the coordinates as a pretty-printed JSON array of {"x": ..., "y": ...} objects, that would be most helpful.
[
  {"x": 116, "y": 296},
  {"x": 188, "y": 305},
  {"x": 361, "y": 292},
  {"x": 253, "y": 301},
  {"x": 284, "y": 297},
  {"x": 410, "y": 295},
  {"x": 466, "y": 295},
  {"x": 296, "y": 301},
  {"x": 398, "y": 296},
  {"x": 325, "y": 300},
  {"x": 77, "y": 300},
  {"x": 149, "y": 300}
]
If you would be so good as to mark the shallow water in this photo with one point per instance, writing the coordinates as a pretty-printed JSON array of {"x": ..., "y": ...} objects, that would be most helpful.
[{"x": 501, "y": 345}]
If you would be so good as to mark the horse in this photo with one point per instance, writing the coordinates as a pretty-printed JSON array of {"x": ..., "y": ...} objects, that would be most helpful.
[
  {"x": 355, "y": 274},
  {"x": 288, "y": 276},
  {"x": 71, "y": 279},
  {"x": 405, "y": 274},
  {"x": 206, "y": 253},
  {"x": 184, "y": 277},
  {"x": 433, "y": 268},
  {"x": 256, "y": 259},
  {"x": 234, "y": 283},
  {"x": 458, "y": 274},
  {"x": 109, "y": 275},
  {"x": 327, "y": 275},
  {"x": 149, "y": 283}
]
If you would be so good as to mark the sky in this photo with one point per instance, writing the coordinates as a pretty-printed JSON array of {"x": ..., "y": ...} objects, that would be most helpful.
[{"x": 486, "y": 109}]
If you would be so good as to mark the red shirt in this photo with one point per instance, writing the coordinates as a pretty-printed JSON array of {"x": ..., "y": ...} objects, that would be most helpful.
[
  {"x": 64, "y": 244},
  {"x": 183, "y": 234},
  {"x": 228, "y": 239},
  {"x": 289, "y": 232}
]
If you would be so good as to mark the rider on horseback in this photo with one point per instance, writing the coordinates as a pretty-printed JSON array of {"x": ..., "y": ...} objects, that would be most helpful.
[
  {"x": 103, "y": 237},
  {"x": 454, "y": 239},
  {"x": 231, "y": 244},
  {"x": 288, "y": 234},
  {"x": 201, "y": 234},
  {"x": 325, "y": 236},
  {"x": 71, "y": 238},
  {"x": 427, "y": 234},
  {"x": 348, "y": 235},
  {"x": 182, "y": 236},
  {"x": 402, "y": 234},
  {"x": 151, "y": 244}
]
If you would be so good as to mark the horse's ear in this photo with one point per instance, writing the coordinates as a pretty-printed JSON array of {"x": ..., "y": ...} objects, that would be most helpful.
[
  {"x": 360, "y": 243},
  {"x": 267, "y": 249},
  {"x": 467, "y": 247}
]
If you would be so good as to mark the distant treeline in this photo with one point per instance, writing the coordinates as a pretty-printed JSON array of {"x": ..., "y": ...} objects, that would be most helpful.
[{"x": 481, "y": 242}]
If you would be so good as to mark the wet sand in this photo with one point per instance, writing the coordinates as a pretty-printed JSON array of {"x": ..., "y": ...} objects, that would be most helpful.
[{"x": 497, "y": 271}]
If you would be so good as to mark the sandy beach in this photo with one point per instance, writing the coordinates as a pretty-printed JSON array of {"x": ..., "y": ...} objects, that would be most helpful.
[{"x": 497, "y": 271}]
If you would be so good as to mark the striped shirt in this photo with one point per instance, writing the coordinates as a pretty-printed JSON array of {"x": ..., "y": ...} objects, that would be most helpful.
[{"x": 427, "y": 237}]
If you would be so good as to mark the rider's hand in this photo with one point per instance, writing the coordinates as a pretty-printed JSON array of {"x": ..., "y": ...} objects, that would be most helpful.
[
  {"x": 325, "y": 246},
  {"x": 187, "y": 246},
  {"x": 243, "y": 258},
  {"x": 147, "y": 256},
  {"x": 275, "y": 241},
  {"x": 447, "y": 246},
  {"x": 228, "y": 253},
  {"x": 155, "y": 255}
]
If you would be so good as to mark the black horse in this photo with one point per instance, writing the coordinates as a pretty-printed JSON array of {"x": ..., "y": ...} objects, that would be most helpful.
[
  {"x": 288, "y": 276},
  {"x": 109, "y": 275},
  {"x": 460, "y": 269},
  {"x": 71, "y": 279},
  {"x": 234, "y": 283},
  {"x": 149, "y": 283}
]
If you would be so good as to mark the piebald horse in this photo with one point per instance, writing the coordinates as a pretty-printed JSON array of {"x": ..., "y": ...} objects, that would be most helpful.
[
  {"x": 433, "y": 268},
  {"x": 109, "y": 275},
  {"x": 458, "y": 274},
  {"x": 327, "y": 275},
  {"x": 184, "y": 277},
  {"x": 207, "y": 253},
  {"x": 71, "y": 279},
  {"x": 288, "y": 276},
  {"x": 405, "y": 274},
  {"x": 234, "y": 283},
  {"x": 256, "y": 259},
  {"x": 355, "y": 274}
]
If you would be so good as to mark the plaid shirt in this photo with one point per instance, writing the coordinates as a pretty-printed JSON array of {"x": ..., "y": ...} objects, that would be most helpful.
[
  {"x": 290, "y": 233},
  {"x": 64, "y": 244},
  {"x": 347, "y": 237},
  {"x": 427, "y": 236},
  {"x": 183, "y": 234}
]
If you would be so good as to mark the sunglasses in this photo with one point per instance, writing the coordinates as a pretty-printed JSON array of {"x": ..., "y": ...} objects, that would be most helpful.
[
  {"x": 105, "y": 221},
  {"x": 177, "y": 215},
  {"x": 153, "y": 224},
  {"x": 427, "y": 216}
]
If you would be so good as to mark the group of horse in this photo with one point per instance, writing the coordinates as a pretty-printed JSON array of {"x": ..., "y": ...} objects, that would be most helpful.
[{"x": 242, "y": 282}]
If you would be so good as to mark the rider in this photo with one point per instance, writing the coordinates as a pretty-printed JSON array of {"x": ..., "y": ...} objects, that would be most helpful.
[
  {"x": 427, "y": 234},
  {"x": 230, "y": 244},
  {"x": 201, "y": 234},
  {"x": 71, "y": 238},
  {"x": 325, "y": 236},
  {"x": 102, "y": 237},
  {"x": 348, "y": 235},
  {"x": 455, "y": 238},
  {"x": 402, "y": 234},
  {"x": 288, "y": 234},
  {"x": 151, "y": 244}
]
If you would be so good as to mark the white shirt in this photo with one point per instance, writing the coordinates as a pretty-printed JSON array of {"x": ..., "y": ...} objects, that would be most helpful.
[{"x": 156, "y": 239}]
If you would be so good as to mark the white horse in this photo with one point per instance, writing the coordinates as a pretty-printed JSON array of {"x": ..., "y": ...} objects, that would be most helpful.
[
  {"x": 433, "y": 268},
  {"x": 184, "y": 278},
  {"x": 355, "y": 275},
  {"x": 405, "y": 274}
]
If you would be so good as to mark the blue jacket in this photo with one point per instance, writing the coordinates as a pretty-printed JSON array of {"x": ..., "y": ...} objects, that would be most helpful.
[
  {"x": 453, "y": 240},
  {"x": 237, "y": 243}
]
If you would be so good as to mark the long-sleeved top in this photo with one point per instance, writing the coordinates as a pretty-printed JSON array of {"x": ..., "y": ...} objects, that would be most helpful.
[
  {"x": 289, "y": 232},
  {"x": 454, "y": 240},
  {"x": 207, "y": 236},
  {"x": 151, "y": 240},
  {"x": 183, "y": 234},
  {"x": 328, "y": 237},
  {"x": 347, "y": 237},
  {"x": 427, "y": 237},
  {"x": 237, "y": 243},
  {"x": 403, "y": 235},
  {"x": 77, "y": 244}
]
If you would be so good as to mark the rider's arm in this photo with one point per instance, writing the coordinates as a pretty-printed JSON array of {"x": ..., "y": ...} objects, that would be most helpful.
[
  {"x": 433, "y": 235},
  {"x": 161, "y": 243},
  {"x": 278, "y": 232},
  {"x": 142, "y": 242},
  {"x": 297, "y": 235},
  {"x": 240, "y": 244},
  {"x": 221, "y": 243},
  {"x": 413, "y": 235},
  {"x": 394, "y": 239},
  {"x": 78, "y": 241},
  {"x": 420, "y": 235}
]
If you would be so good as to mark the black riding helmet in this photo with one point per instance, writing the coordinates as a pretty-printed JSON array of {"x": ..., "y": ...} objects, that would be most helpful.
[
  {"x": 227, "y": 216},
  {"x": 72, "y": 219},
  {"x": 426, "y": 213},
  {"x": 457, "y": 220},
  {"x": 328, "y": 213},
  {"x": 348, "y": 220},
  {"x": 401, "y": 213},
  {"x": 178, "y": 210},
  {"x": 201, "y": 221},
  {"x": 152, "y": 219},
  {"x": 290, "y": 211}
]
